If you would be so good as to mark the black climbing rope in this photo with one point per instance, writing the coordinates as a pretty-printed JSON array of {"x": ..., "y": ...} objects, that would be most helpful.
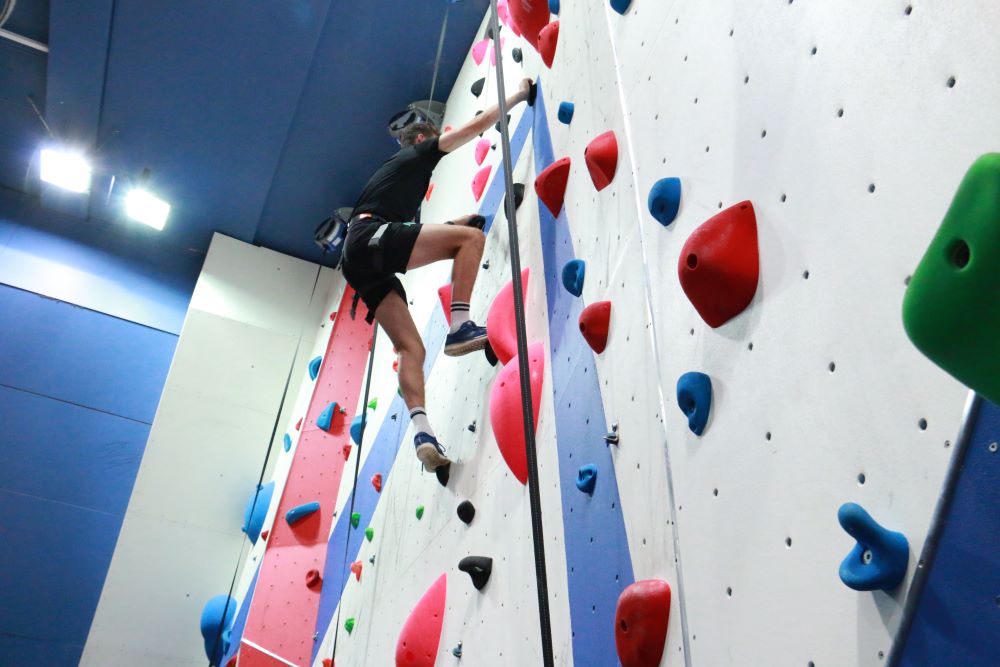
[
  {"x": 541, "y": 577},
  {"x": 354, "y": 486}
]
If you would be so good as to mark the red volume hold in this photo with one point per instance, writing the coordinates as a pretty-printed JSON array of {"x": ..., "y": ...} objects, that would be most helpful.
[
  {"x": 719, "y": 265},
  {"x": 507, "y": 412},
  {"x": 601, "y": 156},
  {"x": 594, "y": 322},
  {"x": 529, "y": 16},
  {"x": 417, "y": 645},
  {"x": 551, "y": 185},
  {"x": 641, "y": 622},
  {"x": 548, "y": 37}
]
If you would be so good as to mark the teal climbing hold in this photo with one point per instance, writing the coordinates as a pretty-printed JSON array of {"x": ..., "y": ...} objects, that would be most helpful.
[
  {"x": 586, "y": 478},
  {"x": 572, "y": 276},
  {"x": 620, "y": 6},
  {"x": 565, "y": 113},
  {"x": 355, "y": 519},
  {"x": 300, "y": 512},
  {"x": 665, "y": 200},
  {"x": 256, "y": 511},
  {"x": 356, "y": 427},
  {"x": 879, "y": 559},
  {"x": 694, "y": 397},
  {"x": 314, "y": 367},
  {"x": 287, "y": 442},
  {"x": 326, "y": 417}
]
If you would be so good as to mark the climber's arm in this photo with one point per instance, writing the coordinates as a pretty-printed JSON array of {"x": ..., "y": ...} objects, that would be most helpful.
[{"x": 453, "y": 139}]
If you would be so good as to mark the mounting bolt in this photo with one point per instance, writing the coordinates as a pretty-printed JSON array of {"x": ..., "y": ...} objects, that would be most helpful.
[
  {"x": 611, "y": 437},
  {"x": 457, "y": 651},
  {"x": 472, "y": 427},
  {"x": 486, "y": 264}
]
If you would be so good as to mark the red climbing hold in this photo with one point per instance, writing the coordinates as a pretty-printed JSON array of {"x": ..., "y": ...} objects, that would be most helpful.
[
  {"x": 395, "y": 365},
  {"x": 231, "y": 662},
  {"x": 298, "y": 424},
  {"x": 719, "y": 265},
  {"x": 444, "y": 294},
  {"x": 264, "y": 534},
  {"x": 551, "y": 184},
  {"x": 594, "y": 321},
  {"x": 377, "y": 482},
  {"x": 501, "y": 329},
  {"x": 327, "y": 662},
  {"x": 529, "y": 16},
  {"x": 641, "y": 621},
  {"x": 430, "y": 189},
  {"x": 479, "y": 181},
  {"x": 313, "y": 579},
  {"x": 506, "y": 413},
  {"x": 479, "y": 50},
  {"x": 547, "y": 39},
  {"x": 601, "y": 156},
  {"x": 346, "y": 451},
  {"x": 356, "y": 569},
  {"x": 482, "y": 148},
  {"x": 333, "y": 316},
  {"x": 418, "y": 642}
]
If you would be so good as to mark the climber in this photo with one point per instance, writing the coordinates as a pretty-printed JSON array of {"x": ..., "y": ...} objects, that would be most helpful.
[{"x": 382, "y": 241}]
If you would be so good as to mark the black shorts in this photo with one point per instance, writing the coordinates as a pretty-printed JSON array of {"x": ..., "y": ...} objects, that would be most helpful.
[{"x": 371, "y": 271}]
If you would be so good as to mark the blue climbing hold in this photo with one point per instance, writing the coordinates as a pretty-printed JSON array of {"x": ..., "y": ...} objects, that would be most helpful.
[
  {"x": 586, "y": 478},
  {"x": 296, "y": 514},
  {"x": 216, "y": 625},
  {"x": 565, "y": 113},
  {"x": 356, "y": 429},
  {"x": 572, "y": 276},
  {"x": 879, "y": 559},
  {"x": 620, "y": 6},
  {"x": 314, "y": 367},
  {"x": 665, "y": 200},
  {"x": 287, "y": 442},
  {"x": 256, "y": 511},
  {"x": 694, "y": 396},
  {"x": 326, "y": 417},
  {"x": 554, "y": 6}
]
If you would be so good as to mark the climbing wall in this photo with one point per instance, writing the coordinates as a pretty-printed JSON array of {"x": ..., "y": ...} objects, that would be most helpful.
[{"x": 755, "y": 369}]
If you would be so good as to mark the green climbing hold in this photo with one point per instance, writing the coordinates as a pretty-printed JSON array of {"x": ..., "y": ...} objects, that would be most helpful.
[
  {"x": 355, "y": 519},
  {"x": 373, "y": 404},
  {"x": 951, "y": 311},
  {"x": 369, "y": 533},
  {"x": 349, "y": 625},
  {"x": 420, "y": 511}
]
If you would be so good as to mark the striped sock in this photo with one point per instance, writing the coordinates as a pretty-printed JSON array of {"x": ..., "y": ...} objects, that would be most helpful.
[
  {"x": 459, "y": 315},
  {"x": 420, "y": 422}
]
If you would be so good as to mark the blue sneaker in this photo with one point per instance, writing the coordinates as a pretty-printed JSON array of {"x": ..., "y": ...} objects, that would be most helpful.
[
  {"x": 468, "y": 338},
  {"x": 430, "y": 452}
]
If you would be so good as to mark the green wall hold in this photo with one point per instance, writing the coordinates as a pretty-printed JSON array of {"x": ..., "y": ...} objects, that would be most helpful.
[
  {"x": 355, "y": 519},
  {"x": 349, "y": 625},
  {"x": 951, "y": 311},
  {"x": 369, "y": 533},
  {"x": 420, "y": 511}
]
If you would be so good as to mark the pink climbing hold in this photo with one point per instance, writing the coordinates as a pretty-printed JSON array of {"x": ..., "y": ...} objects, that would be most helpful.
[
  {"x": 479, "y": 50},
  {"x": 507, "y": 414},
  {"x": 482, "y": 149},
  {"x": 601, "y": 156},
  {"x": 500, "y": 326},
  {"x": 548, "y": 37},
  {"x": 550, "y": 185},
  {"x": 479, "y": 181},
  {"x": 503, "y": 12},
  {"x": 418, "y": 642},
  {"x": 444, "y": 294},
  {"x": 594, "y": 323}
]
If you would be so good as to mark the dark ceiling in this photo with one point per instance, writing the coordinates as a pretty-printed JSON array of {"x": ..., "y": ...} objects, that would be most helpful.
[{"x": 254, "y": 119}]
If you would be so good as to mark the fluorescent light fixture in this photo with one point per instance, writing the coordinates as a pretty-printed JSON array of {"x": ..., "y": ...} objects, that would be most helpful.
[
  {"x": 65, "y": 169},
  {"x": 146, "y": 208}
]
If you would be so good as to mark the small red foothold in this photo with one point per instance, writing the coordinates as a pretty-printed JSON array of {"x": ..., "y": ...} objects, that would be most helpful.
[
  {"x": 444, "y": 294},
  {"x": 547, "y": 39},
  {"x": 377, "y": 482},
  {"x": 479, "y": 181},
  {"x": 395, "y": 366},
  {"x": 447, "y": 128},
  {"x": 327, "y": 662},
  {"x": 719, "y": 264},
  {"x": 333, "y": 316},
  {"x": 551, "y": 185},
  {"x": 356, "y": 569},
  {"x": 594, "y": 321},
  {"x": 264, "y": 534},
  {"x": 346, "y": 449},
  {"x": 601, "y": 156},
  {"x": 298, "y": 424},
  {"x": 641, "y": 620},
  {"x": 430, "y": 189},
  {"x": 313, "y": 579}
]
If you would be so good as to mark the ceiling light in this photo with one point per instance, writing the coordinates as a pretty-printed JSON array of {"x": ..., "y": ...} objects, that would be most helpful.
[
  {"x": 143, "y": 206},
  {"x": 65, "y": 169}
]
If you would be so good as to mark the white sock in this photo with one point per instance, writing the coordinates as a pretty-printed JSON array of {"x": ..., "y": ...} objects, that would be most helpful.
[
  {"x": 459, "y": 315},
  {"x": 420, "y": 422}
]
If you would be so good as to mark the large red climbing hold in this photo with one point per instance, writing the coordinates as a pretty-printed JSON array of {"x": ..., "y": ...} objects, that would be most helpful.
[
  {"x": 507, "y": 413},
  {"x": 594, "y": 322},
  {"x": 641, "y": 622},
  {"x": 479, "y": 181},
  {"x": 529, "y": 17},
  {"x": 444, "y": 294},
  {"x": 501, "y": 329},
  {"x": 719, "y": 264},
  {"x": 548, "y": 37},
  {"x": 417, "y": 645},
  {"x": 601, "y": 156},
  {"x": 551, "y": 185}
]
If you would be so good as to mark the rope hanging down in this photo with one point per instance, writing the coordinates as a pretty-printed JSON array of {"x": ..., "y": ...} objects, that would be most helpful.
[{"x": 541, "y": 578}]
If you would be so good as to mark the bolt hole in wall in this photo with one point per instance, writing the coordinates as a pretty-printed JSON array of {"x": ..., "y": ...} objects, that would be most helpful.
[{"x": 959, "y": 253}]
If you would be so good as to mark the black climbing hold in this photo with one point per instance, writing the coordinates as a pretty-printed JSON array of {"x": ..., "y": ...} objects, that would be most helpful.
[
  {"x": 477, "y": 221},
  {"x": 489, "y": 32},
  {"x": 477, "y": 87},
  {"x": 518, "y": 198},
  {"x": 472, "y": 427},
  {"x": 477, "y": 567},
  {"x": 479, "y": 112},
  {"x": 491, "y": 356},
  {"x": 457, "y": 651},
  {"x": 532, "y": 93},
  {"x": 372, "y": 559},
  {"x": 516, "y": 54},
  {"x": 486, "y": 264},
  {"x": 497, "y": 126},
  {"x": 443, "y": 473},
  {"x": 466, "y": 512}
]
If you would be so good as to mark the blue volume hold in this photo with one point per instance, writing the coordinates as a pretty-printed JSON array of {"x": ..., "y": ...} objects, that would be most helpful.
[
  {"x": 356, "y": 429},
  {"x": 572, "y": 276},
  {"x": 314, "y": 367},
  {"x": 565, "y": 113},
  {"x": 620, "y": 6},
  {"x": 216, "y": 627},
  {"x": 586, "y": 478},
  {"x": 694, "y": 397},
  {"x": 665, "y": 200},
  {"x": 296, "y": 514},
  {"x": 287, "y": 442},
  {"x": 326, "y": 417},
  {"x": 554, "y": 6},
  {"x": 879, "y": 559},
  {"x": 256, "y": 511}
]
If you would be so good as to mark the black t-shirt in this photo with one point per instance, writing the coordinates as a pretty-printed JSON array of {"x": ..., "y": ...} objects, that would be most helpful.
[{"x": 395, "y": 190}]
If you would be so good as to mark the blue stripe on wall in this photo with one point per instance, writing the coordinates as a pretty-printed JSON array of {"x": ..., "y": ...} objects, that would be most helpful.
[
  {"x": 240, "y": 622},
  {"x": 598, "y": 562}
]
